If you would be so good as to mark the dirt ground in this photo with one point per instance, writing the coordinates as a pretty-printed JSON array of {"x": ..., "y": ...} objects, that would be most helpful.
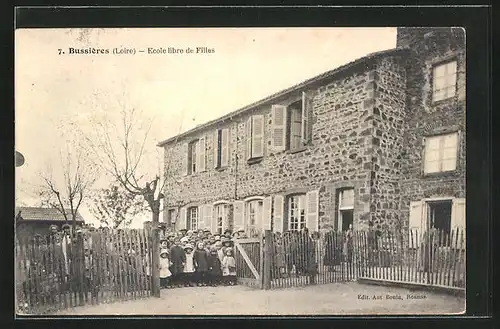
[{"x": 326, "y": 299}]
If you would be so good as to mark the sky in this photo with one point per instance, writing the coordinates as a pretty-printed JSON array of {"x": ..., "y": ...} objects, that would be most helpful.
[{"x": 176, "y": 90}]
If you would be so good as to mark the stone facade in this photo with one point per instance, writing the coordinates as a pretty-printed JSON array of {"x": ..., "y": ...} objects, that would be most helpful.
[{"x": 367, "y": 123}]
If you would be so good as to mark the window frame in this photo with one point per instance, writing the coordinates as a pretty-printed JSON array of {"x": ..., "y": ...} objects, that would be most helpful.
[
  {"x": 171, "y": 211},
  {"x": 192, "y": 155},
  {"x": 445, "y": 63},
  {"x": 301, "y": 208},
  {"x": 457, "y": 153},
  {"x": 226, "y": 209},
  {"x": 189, "y": 219},
  {"x": 341, "y": 208}
]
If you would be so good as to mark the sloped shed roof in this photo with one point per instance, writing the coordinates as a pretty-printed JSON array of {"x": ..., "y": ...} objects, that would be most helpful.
[{"x": 44, "y": 214}]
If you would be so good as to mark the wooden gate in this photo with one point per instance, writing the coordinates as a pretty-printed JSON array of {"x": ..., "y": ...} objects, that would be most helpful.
[{"x": 249, "y": 261}]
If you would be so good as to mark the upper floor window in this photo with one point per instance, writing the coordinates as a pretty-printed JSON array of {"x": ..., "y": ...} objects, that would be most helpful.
[
  {"x": 440, "y": 153},
  {"x": 254, "y": 128},
  {"x": 291, "y": 125},
  {"x": 196, "y": 158},
  {"x": 192, "y": 218},
  {"x": 221, "y": 148},
  {"x": 296, "y": 212},
  {"x": 444, "y": 81}
]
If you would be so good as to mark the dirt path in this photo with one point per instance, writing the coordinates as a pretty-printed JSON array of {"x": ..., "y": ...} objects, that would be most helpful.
[{"x": 328, "y": 299}]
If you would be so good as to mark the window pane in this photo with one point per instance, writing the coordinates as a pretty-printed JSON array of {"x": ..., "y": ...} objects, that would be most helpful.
[
  {"x": 431, "y": 166},
  {"x": 439, "y": 71},
  {"x": 450, "y": 91},
  {"x": 440, "y": 83},
  {"x": 347, "y": 198},
  {"x": 432, "y": 143},
  {"x": 449, "y": 164},
  {"x": 450, "y": 140},
  {"x": 438, "y": 95},
  {"x": 449, "y": 153},
  {"x": 451, "y": 67},
  {"x": 432, "y": 155}
]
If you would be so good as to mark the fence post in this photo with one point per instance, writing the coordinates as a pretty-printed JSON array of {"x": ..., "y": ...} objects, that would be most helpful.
[{"x": 268, "y": 245}]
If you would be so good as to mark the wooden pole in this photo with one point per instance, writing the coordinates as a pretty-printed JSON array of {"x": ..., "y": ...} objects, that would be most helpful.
[{"x": 268, "y": 245}]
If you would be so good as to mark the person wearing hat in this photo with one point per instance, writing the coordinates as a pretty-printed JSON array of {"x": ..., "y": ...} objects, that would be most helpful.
[
  {"x": 228, "y": 233},
  {"x": 183, "y": 231},
  {"x": 214, "y": 267},
  {"x": 189, "y": 268},
  {"x": 229, "y": 267},
  {"x": 165, "y": 273},
  {"x": 178, "y": 260},
  {"x": 220, "y": 251},
  {"x": 184, "y": 240},
  {"x": 189, "y": 233},
  {"x": 164, "y": 243}
]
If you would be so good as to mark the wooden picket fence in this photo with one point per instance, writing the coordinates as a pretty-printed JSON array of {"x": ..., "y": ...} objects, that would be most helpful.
[
  {"x": 435, "y": 258},
  {"x": 104, "y": 267}
]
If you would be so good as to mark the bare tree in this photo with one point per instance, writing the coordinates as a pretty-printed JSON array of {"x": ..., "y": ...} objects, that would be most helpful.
[
  {"x": 121, "y": 150},
  {"x": 68, "y": 190}
]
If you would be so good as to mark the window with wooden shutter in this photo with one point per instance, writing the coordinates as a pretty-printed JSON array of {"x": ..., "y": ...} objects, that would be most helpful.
[
  {"x": 225, "y": 147},
  {"x": 257, "y": 136},
  {"x": 312, "y": 210},
  {"x": 307, "y": 107},
  {"x": 279, "y": 205},
  {"x": 458, "y": 218},
  {"x": 266, "y": 213},
  {"x": 416, "y": 220},
  {"x": 201, "y": 154},
  {"x": 185, "y": 159},
  {"x": 248, "y": 136},
  {"x": 278, "y": 116},
  {"x": 238, "y": 214}
]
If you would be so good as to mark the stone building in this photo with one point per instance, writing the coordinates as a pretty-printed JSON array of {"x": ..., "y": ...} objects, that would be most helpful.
[{"x": 380, "y": 140}]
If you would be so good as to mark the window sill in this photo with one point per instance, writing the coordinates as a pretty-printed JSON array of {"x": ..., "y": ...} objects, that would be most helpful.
[
  {"x": 297, "y": 150},
  {"x": 222, "y": 168},
  {"x": 254, "y": 160},
  {"x": 444, "y": 101},
  {"x": 440, "y": 174}
]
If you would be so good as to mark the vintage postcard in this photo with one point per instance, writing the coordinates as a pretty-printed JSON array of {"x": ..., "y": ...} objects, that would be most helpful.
[{"x": 240, "y": 171}]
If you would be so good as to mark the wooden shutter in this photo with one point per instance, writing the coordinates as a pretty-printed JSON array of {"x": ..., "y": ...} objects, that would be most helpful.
[
  {"x": 182, "y": 222},
  {"x": 279, "y": 205},
  {"x": 415, "y": 222},
  {"x": 266, "y": 213},
  {"x": 238, "y": 213},
  {"x": 458, "y": 216},
  {"x": 216, "y": 148},
  {"x": 185, "y": 159},
  {"x": 312, "y": 210},
  {"x": 248, "y": 136},
  {"x": 201, "y": 216},
  {"x": 225, "y": 147},
  {"x": 278, "y": 132},
  {"x": 306, "y": 117},
  {"x": 200, "y": 153},
  {"x": 257, "y": 136},
  {"x": 207, "y": 220}
]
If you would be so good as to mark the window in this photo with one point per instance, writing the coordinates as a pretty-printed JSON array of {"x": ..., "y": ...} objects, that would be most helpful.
[
  {"x": 221, "y": 217},
  {"x": 294, "y": 126},
  {"x": 254, "y": 214},
  {"x": 291, "y": 128},
  {"x": 221, "y": 148},
  {"x": 171, "y": 216},
  {"x": 255, "y": 137},
  {"x": 196, "y": 161},
  {"x": 192, "y": 218},
  {"x": 193, "y": 146},
  {"x": 345, "y": 209},
  {"x": 439, "y": 213},
  {"x": 441, "y": 153},
  {"x": 444, "y": 80},
  {"x": 296, "y": 212}
]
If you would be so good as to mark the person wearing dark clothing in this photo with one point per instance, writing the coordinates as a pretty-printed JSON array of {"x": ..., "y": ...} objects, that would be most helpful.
[
  {"x": 201, "y": 264},
  {"x": 214, "y": 267},
  {"x": 178, "y": 259}
]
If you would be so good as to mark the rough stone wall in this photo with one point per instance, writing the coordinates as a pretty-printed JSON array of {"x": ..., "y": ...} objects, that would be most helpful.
[
  {"x": 388, "y": 124},
  {"x": 423, "y": 117},
  {"x": 339, "y": 154}
]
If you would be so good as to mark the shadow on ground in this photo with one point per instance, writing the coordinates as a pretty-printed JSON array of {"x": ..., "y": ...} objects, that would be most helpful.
[{"x": 327, "y": 299}]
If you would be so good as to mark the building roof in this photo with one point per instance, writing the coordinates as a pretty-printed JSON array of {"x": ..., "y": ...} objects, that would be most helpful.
[
  {"x": 44, "y": 214},
  {"x": 300, "y": 86}
]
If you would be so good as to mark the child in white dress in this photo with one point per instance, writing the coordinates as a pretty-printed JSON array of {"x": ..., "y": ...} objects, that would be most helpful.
[
  {"x": 165, "y": 273},
  {"x": 229, "y": 267}
]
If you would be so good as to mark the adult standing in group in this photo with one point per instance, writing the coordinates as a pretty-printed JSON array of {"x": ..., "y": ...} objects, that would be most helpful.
[{"x": 178, "y": 259}]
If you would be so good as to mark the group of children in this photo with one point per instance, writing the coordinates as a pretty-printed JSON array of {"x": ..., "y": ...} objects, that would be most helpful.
[{"x": 191, "y": 259}]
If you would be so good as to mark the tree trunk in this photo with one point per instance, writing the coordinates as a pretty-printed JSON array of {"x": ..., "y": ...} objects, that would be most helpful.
[{"x": 155, "y": 245}]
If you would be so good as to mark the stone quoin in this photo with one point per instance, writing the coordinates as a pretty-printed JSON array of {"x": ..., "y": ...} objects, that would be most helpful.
[{"x": 380, "y": 140}]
